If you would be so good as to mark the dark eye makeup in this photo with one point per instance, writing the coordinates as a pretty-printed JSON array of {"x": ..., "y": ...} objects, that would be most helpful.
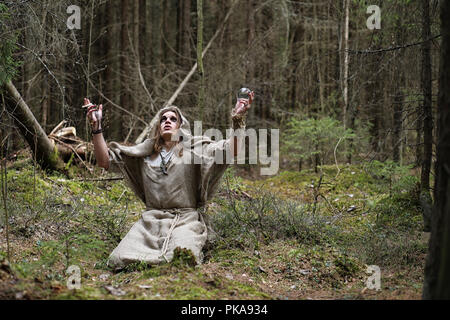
[{"x": 172, "y": 119}]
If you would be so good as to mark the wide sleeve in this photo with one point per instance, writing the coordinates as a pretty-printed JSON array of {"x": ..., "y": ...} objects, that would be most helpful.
[
  {"x": 216, "y": 157},
  {"x": 129, "y": 166},
  {"x": 115, "y": 161},
  {"x": 213, "y": 165}
]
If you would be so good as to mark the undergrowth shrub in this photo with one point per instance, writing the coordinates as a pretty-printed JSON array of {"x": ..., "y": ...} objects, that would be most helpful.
[
  {"x": 249, "y": 222},
  {"x": 66, "y": 221},
  {"x": 308, "y": 138},
  {"x": 393, "y": 249},
  {"x": 399, "y": 212},
  {"x": 400, "y": 208},
  {"x": 395, "y": 238},
  {"x": 393, "y": 177}
]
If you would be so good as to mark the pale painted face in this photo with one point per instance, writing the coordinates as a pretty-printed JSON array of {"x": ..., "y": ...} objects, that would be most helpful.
[{"x": 169, "y": 124}]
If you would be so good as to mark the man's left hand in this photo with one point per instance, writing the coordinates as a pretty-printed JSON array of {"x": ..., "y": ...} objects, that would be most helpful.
[{"x": 242, "y": 105}]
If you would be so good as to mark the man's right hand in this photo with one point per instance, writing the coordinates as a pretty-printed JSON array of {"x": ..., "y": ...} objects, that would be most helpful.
[{"x": 94, "y": 114}]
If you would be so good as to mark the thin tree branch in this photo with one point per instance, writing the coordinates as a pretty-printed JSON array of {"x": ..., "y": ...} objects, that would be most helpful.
[
  {"x": 189, "y": 75},
  {"x": 393, "y": 48}
]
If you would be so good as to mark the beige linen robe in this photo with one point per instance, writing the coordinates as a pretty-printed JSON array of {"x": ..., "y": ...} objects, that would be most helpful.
[{"x": 172, "y": 218}]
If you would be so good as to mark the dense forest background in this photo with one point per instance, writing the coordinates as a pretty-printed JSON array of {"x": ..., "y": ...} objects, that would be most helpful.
[
  {"x": 299, "y": 58},
  {"x": 341, "y": 93}
]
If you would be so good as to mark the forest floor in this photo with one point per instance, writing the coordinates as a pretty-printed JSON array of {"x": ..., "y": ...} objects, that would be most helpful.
[{"x": 296, "y": 235}]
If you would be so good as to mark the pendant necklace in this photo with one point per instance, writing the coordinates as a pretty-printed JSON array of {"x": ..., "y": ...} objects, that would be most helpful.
[{"x": 165, "y": 159}]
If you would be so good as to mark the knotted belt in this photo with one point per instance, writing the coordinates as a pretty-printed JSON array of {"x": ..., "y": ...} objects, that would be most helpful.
[{"x": 177, "y": 212}]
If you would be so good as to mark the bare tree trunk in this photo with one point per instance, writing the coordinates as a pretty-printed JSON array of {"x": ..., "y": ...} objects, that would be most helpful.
[
  {"x": 136, "y": 29},
  {"x": 419, "y": 130},
  {"x": 318, "y": 64},
  {"x": 396, "y": 137},
  {"x": 110, "y": 78},
  {"x": 136, "y": 59},
  {"x": 44, "y": 102},
  {"x": 349, "y": 111},
  {"x": 250, "y": 35},
  {"x": 45, "y": 87},
  {"x": 346, "y": 61},
  {"x": 398, "y": 79},
  {"x": 226, "y": 49},
  {"x": 145, "y": 41},
  {"x": 31, "y": 130},
  {"x": 201, "y": 89},
  {"x": 89, "y": 46},
  {"x": 124, "y": 63},
  {"x": 165, "y": 32},
  {"x": 184, "y": 25},
  {"x": 4, "y": 183},
  {"x": 376, "y": 97},
  {"x": 296, "y": 47},
  {"x": 144, "y": 133},
  {"x": 427, "y": 94},
  {"x": 437, "y": 268},
  {"x": 186, "y": 44}
]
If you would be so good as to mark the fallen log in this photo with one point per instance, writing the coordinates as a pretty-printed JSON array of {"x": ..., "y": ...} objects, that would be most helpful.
[
  {"x": 69, "y": 145},
  {"x": 43, "y": 149}
]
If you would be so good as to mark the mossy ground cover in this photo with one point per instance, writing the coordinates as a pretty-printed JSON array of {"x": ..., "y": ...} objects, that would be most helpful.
[{"x": 296, "y": 235}]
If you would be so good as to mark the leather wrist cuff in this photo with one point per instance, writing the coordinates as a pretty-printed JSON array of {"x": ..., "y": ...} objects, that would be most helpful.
[{"x": 238, "y": 121}]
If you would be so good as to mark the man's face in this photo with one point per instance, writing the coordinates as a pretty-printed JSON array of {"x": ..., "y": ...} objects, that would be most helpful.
[{"x": 169, "y": 124}]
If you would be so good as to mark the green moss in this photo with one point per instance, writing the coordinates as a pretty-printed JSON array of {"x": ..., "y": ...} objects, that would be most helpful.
[
  {"x": 346, "y": 266},
  {"x": 247, "y": 291},
  {"x": 221, "y": 255},
  {"x": 55, "y": 160},
  {"x": 69, "y": 163},
  {"x": 120, "y": 191},
  {"x": 84, "y": 293},
  {"x": 152, "y": 272},
  {"x": 183, "y": 257},
  {"x": 180, "y": 290},
  {"x": 88, "y": 220}
]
